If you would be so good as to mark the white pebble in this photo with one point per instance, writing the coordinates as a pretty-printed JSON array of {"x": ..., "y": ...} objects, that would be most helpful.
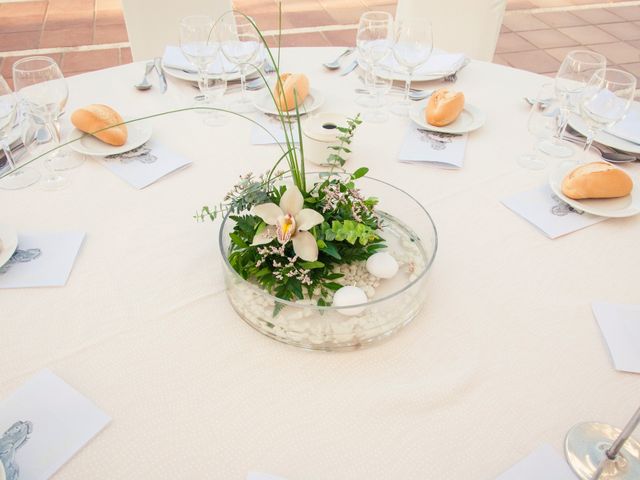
[
  {"x": 349, "y": 295},
  {"x": 382, "y": 265}
]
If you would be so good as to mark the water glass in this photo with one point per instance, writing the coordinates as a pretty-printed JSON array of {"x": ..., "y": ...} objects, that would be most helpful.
[
  {"x": 374, "y": 40},
  {"x": 213, "y": 88},
  {"x": 412, "y": 48},
  {"x": 542, "y": 123},
  {"x": 380, "y": 85},
  {"x": 199, "y": 44}
]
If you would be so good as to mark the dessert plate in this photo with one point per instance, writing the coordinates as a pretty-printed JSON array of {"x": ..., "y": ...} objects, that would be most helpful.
[
  {"x": 471, "y": 118},
  {"x": 314, "y": 100},
  {"x": 8, "y": 243},
  {"x": 139, "y": 133},
  {"x": 604, "y": 207}
]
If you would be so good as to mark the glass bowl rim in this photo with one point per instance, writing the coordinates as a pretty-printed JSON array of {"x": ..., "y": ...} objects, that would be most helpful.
[{"x": 329, "y": 308}]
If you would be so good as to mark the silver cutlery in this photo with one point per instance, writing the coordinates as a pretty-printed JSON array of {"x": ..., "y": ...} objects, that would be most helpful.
[
  {"x": 349, "y": 68},
  {"x": 600, "y": 146},
  {"x": 145, "y": 84},
  {"x": 414, "y": 94},
  {"x": 604, "y": 151},
  {"x": 336, "y": 63},
  {"x": 444, "y": 134},
  {"x": 157, "y": 62},
  {"x": 453, "y": 76}
]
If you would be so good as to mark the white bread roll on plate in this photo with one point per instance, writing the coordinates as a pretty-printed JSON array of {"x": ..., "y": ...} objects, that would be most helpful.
[
  {"x": 444, "y": 107},
  {"x": 596, "y": 180},
  {"x": 96, "y": 117},
  {"x": 292, "y": 84}
]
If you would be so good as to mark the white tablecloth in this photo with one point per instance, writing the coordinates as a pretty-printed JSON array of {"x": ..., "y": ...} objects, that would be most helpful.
[{"x": 505, "y": 356}]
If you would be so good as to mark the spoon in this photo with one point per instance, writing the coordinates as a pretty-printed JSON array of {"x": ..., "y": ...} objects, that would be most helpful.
[
  {"x": 336, "y": 63},
  {"x": 145, "y": 84}
]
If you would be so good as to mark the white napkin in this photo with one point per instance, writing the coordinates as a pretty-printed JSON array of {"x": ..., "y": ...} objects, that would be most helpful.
[
  {"x": 620, "y": 325},
  {"x": 58, "y": 419},
  {"x": 174, "y": 58},
  {"x": 542, "y": 208},
  {"x": 274, "y": 127},
  {"x": 629, "y": 127},
  {"x": 543, "y": 464},
  {"x": 438, "y": 63},
  {"x": 41, "y": 260},
  {"x": 144, "y": 165},
  {"x": 441, "y": 149}
]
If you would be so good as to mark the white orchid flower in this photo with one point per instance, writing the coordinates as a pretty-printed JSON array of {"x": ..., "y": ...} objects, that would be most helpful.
[{"x": 289, "y": 221}]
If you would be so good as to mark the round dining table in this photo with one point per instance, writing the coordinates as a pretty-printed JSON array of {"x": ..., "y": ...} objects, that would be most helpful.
[{"x": 505, "y": 355}]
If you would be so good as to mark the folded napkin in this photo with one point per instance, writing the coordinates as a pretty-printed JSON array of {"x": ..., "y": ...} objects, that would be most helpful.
[
  {"x": 438, "y": 63},
  {"x": 174, "y": 58},
  {"x": 629, "y": 127},
  {"x": 620, "y": 325},
  {"x": 441, "y": 149}
]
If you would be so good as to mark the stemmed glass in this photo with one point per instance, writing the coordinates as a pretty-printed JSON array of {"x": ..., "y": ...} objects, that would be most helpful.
[
  {"x": 8, "y": 110},
  {"x": 605, "y": 100},
  {"x": 380, "y": 86},
  {"x": 412, "y": 48},
  {"x": 240, "y": 45},
  {"x": 199, "y": 45},
  {"x": 373, "y": 41},
  {"x": 213, "y": 88},
  {"x": 40, "y": 83},
  {"x": 572, "y": 77},
  {"x": 542, "y": 124}
]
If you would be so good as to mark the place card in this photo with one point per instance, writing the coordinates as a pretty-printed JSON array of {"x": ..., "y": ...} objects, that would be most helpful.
[
  {"x": 144, "y": 165},
  {"x": 41, "y": 260},
  {"x": 274, "y": 129},
  {"x": 620, "y": 325},
  {"x": 545, "y": 210},
  {"x": 544, "y": 463},
  {"x": 262, "y": 476},
  {"x": 441, "y": 149},
  {"x": 43, "y": 424}
]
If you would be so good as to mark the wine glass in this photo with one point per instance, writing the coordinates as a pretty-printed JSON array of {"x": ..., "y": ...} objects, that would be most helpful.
[
  {"x": 40, "y": 83},
  {"x": 574, "y": 73},
  {"x": 25, "y": 176},
  {"x": 199, "y": 45},
  {"x": 240, "y": 44},
  {"x": 213, "y": 88},
  {"x": 373, "y": 41},
  {"x": 605, "y": 100},
  {"x": 380, "y": 85},
  {"x": 412, "y": 48},
  {"x": 542, "y": 124}
]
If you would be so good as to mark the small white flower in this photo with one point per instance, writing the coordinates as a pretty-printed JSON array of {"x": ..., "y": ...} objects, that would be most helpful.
[{"x": 289, "y": 221}]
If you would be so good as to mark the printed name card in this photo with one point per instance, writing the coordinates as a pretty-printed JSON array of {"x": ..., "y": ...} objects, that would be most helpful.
[
  {"x": 544, "y": 463},
  {"x": 620, "y": 325},
  {"x": 440, "y": 149}
]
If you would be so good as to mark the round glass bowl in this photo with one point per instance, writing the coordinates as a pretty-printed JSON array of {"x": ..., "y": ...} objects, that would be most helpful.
[{"x": 411, "y": 239}]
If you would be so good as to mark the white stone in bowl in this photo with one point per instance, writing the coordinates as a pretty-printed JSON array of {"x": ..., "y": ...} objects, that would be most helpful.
[
  {"x": 347, "y": 296},
  {"x": 382, "y": 265}
]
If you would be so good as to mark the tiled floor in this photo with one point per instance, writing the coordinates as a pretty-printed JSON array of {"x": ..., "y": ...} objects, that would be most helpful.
[{"x": 85, "y": 35}]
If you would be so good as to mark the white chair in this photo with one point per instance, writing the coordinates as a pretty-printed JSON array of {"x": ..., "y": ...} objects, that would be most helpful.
[
  {"x": 152, "y": 24},
  {"x": 468, "y": 26}
]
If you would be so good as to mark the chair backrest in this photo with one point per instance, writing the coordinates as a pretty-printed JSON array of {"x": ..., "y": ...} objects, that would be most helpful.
[
  {"x": 152, "y": 25},
  {"x": 468, "y": 26}
]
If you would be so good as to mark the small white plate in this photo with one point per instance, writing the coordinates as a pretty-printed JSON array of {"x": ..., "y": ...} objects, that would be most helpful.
[
  {"x": 9, "y": 239},
  {"x": 314, "y": 100},
  {"x": 605, "y": 138},
  {"x": 471, "y": 118},
  {"x": 139, "y": 133},
  {"x": 626, "y": 206}
]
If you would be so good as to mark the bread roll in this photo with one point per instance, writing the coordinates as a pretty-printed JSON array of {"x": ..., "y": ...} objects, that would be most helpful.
[
  {"x": 596, "y": 180},
  {"x": 96, "y": 117},
  {"x": 444, "y": 107},
  {"x": 290, "y": 82}
]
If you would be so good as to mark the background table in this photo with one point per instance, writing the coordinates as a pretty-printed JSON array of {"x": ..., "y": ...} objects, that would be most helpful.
[{"x": 505, "y": 356}]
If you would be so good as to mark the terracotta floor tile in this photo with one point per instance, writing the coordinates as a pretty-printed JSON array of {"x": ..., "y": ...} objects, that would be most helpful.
[
  {"x": 92, "y": 60},
  {"x": 110, "y": 34},
  {"x": 551, "y": 3},
  {"x": 599, "y": 15},
  {"x": 560, "y": 19},
  {"x": 587, "y": 34},
  {"x": 548, "y": 39},
  {"x": 67, "y": 37},
  {"x": 8, "y": 62},
  {"x": 341, "y": 38},
  {"x": 519, "y": 5},
  {"x": 632, "y": 68},
  {"x": 19, "y": 41},
  {"x": 622, "y": 31},
  {"x": 125, "y": 56},
  {"x": 635, "y": 43},
  {"x": 309, "y": 18},
  {"x": 560, "y": 53},
  {"x": 536, "y": 61},
  {"x": 22, "y": 17},
  {"x": 519, "y": 22},
  {"x": 345, "y": 15},
  {"x": 268, "y": 21},
  {"x": 504, "y": 29},
  {"x": 497, "y": 58},
  {"x": 627, "y": 13},
  {"x": 109, "y": 17},
  {"x": 619, "y": 52},
  {"x": 512, "y": 42}
]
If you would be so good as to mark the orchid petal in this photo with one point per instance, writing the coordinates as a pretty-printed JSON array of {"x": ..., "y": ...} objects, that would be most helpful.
[
  {"x": 307, "y": 218},
  {"x": 305, "y": 246},
  {"x": 265, "y": 236},
  {"x": 269, "y": 212},
  {"x": 292, "y": 200}
]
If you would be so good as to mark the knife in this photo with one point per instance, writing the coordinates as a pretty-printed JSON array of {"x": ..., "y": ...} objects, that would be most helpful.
[
  {"x": 350, "y": 68},
  {"x": 157, "y": 63}
]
